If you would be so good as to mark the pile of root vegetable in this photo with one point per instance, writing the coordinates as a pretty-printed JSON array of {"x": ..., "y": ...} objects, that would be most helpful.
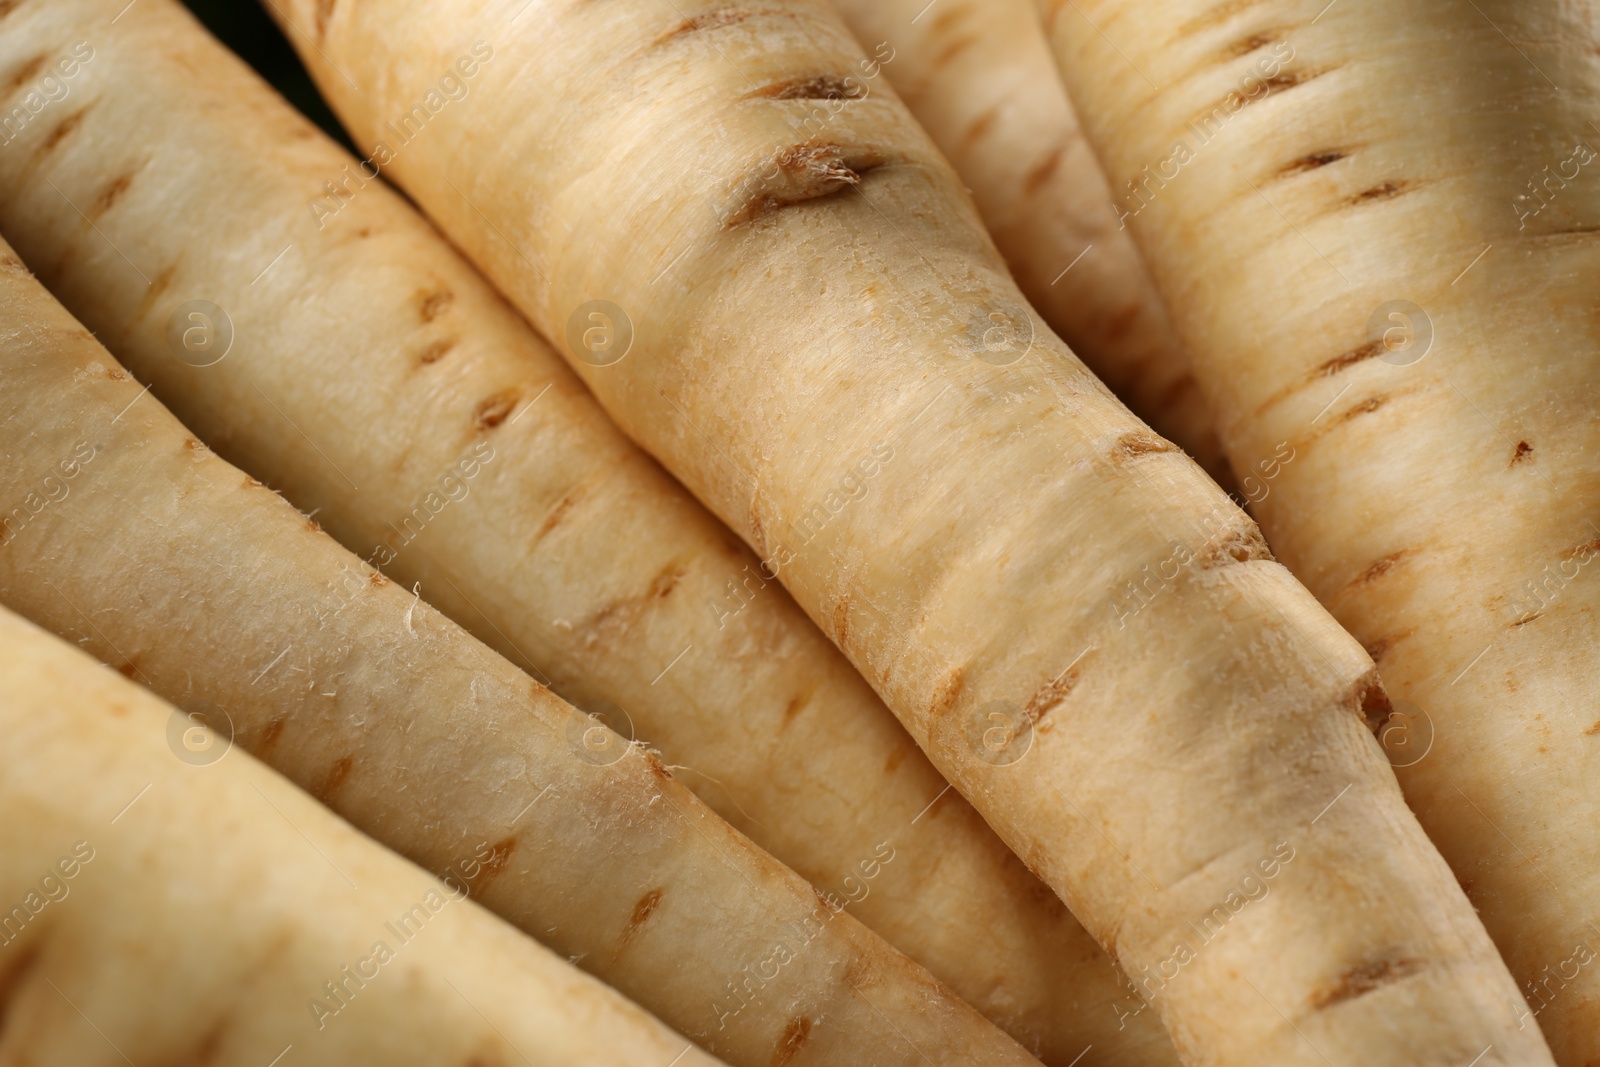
[{"x": 882, "y": 533}]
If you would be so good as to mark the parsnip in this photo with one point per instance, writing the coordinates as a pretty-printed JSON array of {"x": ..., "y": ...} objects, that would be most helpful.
[
  {"x": 195, "y": 580},
  {"x": 978, "y": 76},
  {"x": 161, "y": 912},
  {"x": 1380, "y": 246},
  {"x": 355, "y": 322},
  {"x": 655, "y": 156}
]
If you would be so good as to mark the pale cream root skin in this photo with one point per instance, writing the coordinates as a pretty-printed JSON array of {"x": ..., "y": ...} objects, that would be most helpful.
[
  {"x": 203, "y": 585},
  {"x": 1426, "y": 494},
  {"x": 978, "y": 76},
  {"x": 567, "y": 549},
  {"x": 175, "y": 913},
  {"x": 1171, "y": 751}
]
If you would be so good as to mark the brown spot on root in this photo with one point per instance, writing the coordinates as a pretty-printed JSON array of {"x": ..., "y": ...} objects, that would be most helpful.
[
  {"x": 12, "y": 263},
  {"x": 431, "y": 305},
  {"x": 841, "y": 621},
  {"x": 1362, "y": 979},
  {"x": 1381, "y": 647},
  {"x": 665, "y": 582},
  {"x": 335, "y": 778},
  {"x": 194, "y": 444},
  {"x": 492, "y": 411},
  {"x": 1370, "y": 701},
  {"x": 15, "y": 970},
  {"x": 559, "y": 513},
  {"x": 436, "y": 350},
  {"x": 954, "y": 48},
  {"x": 251, "y": 483},
  {"x": 791, "y": 1041},
  {"x": 269, "y": 736},
  {"x": 980, "y": 126},
  {"x": 1526, "y": 619},
  {"x": 1052, "y": 693},
  {"x": 948, "y": 693},
  {"x": 324, "y": 13},
  {"x": 377, "y": 580},
  {"x": 657, "y": 768},
  {"x": 1236, "y": 101},
  {"x": 60, "y": 133},
  {"x": 816, "y": 87},
  {"x": 499, "y": 855},
  {"x": 1242, "y": 544},
  {"x": 1349, "y": 359},
  {"x": 1522, "y": 452},
  {"x": 1595, "y": 729},
  {"x": 1245, "y": 45},
  {"x": 793, "y": 708},
  {"x": 1139, "y": 443},
  {"x": 1382, "y": 191},
  {"x": 714, "y": 20},
  {"x": 152, "y": 293},
  {"x": 24, "y": 73},
  {"x": 1366, "y": 407},
  {"x": 313, "y": 525},
  {"x": 897, "y": 757},
  {"x": 1589, "y": 548},
  {"x": 129, "y": 669},
  {"x": 800, "y": 173},
  {"x": 211, "y": 1044},
  {"x": 643, "y": 908},
  {"x": 117, "y": 374},
  {"x": 1378, "y": 568},
  {"x": 109, "y": 196},
  {"x": 1313, "y": 161},
  {"x": 1041, "y": 171}
]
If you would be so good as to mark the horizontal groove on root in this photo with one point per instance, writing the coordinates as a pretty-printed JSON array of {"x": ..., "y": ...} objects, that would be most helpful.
[
  {"x": 1236, "y": 101},
  {"x": 1254, "y": 42},
  {"x": 1368, "y": 699},
  {"x": 1312, "y": 161},
  {"x": 1363, "y": 978},
  {"x": 715, "y": 20},
  {"x": 1348, "y": 359},
  {"x": 1132, "y": 445},
  {"x": 1382, "y": 191},
  {"x": 1379, "y": 567},
  {"x": 1243, "y": 544},
  {"x": 816, "y": 87},
  {"x": 801, "y": 173}
]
